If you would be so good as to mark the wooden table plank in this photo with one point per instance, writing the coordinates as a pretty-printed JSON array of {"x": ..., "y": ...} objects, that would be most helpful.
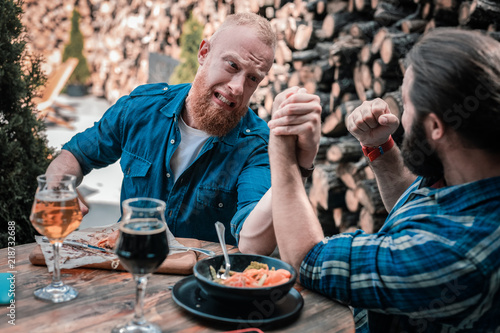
[{"x": 106, "y": 298}]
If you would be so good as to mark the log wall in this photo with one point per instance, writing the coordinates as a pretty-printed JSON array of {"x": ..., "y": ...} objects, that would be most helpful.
[{"x": 345, "y": 51}]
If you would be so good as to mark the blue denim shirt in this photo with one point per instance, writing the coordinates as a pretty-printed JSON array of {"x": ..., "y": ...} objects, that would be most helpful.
[{"x": 224, "y": 183}]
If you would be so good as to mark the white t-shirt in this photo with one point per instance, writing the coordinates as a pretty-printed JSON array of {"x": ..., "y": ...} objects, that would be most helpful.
[{"x": 192, "y": 140}]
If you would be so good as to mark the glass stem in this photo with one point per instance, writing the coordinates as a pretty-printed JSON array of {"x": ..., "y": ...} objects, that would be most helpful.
[
  {"x": 141, "y": 282},
  {"x": 56, "y": 277}
]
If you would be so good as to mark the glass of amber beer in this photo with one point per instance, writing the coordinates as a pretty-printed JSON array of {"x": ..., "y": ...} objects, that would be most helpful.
[{"x": 55, "y": 214}]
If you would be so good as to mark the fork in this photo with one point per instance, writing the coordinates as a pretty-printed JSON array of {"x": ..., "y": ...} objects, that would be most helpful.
[{"x": 219, "y": 227}]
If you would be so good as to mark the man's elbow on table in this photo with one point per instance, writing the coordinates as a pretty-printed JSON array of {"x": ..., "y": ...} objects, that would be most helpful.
[{"x": 295, "y": 255}]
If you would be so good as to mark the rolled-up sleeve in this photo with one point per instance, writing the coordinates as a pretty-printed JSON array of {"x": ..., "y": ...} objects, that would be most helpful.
[
  {"x": 100, "y": 145},
  {"x": 327, "y": 267},
  {"x": 253, "y": 183}
]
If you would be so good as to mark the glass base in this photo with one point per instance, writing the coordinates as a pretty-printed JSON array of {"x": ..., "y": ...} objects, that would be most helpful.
[
  {"x": 132, "y": 327},
  {"x": 56, "y": 294}
]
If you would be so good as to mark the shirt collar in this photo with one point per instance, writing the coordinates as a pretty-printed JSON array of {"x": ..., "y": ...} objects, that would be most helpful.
[
  {"x": 231, "y": 137},
  {"x": 176, "y": 96},
  {"x": 463, "y": 195}
]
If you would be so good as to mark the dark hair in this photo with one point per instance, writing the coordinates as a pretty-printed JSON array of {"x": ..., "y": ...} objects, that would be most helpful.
[{"x": 457, "y": 77}]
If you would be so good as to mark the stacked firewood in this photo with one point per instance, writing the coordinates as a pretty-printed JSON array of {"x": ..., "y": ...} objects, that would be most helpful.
[
  {"x": 345, "y": 51},
  {"x": 342, "y": 50},
  {"x": 343, "y": 189},
  {"x": 118, "y": 35}
]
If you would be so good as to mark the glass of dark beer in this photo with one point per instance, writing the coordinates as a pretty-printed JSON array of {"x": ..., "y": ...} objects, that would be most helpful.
[{"x": 142, "y": 247}]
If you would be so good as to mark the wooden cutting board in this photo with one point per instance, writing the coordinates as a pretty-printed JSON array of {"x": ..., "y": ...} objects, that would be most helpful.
[{"x": 178, "y": 263}]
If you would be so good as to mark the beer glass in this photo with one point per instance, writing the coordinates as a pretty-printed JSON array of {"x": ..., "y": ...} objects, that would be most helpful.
[
  {"x": 55, "y": 214},
  {"x": 142, "y": 246}
]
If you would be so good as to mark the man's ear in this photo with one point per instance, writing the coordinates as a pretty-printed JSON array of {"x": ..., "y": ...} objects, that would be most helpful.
[
  {"x": 435, "y": 126},
  {"x": 203, "y": 51}
]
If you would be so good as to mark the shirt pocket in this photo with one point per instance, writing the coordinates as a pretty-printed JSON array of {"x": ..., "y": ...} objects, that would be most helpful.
[
  {"x": 218, "y": 198},
  {"x": 133, "y": 165}
]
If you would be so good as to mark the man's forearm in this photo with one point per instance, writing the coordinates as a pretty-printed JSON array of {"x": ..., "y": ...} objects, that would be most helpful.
[
  {"x": 295, "y": 223},
  {"x": 393, "y": 178},
  {"x": 66, "y": 163},
  {"x": 257, "y": 234}
]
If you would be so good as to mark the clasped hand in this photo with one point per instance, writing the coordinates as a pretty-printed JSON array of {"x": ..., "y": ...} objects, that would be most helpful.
[{"x": 296, "y": 112}]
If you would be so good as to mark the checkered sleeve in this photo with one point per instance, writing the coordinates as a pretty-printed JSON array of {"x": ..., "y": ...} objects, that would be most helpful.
[{"x": 393, "y": 273}]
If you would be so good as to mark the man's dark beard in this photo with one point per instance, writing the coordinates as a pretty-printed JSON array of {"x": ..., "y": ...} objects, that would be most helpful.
[
  {"x": 208, "y": 117},
  {"x": 418, "y": 156}
]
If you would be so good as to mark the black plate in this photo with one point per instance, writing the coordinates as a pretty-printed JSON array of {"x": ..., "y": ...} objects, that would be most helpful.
[{"x": 188, "y": 295}]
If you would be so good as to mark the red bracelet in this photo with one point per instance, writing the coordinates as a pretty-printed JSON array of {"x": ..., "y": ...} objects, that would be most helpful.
[{"x": 373, "y": 152}]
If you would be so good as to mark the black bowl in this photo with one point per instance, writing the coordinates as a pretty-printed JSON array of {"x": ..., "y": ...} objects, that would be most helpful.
[{"x": 239, "y": 262}]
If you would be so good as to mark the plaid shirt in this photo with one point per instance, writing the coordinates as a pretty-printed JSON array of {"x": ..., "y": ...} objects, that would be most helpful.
[{"x": 433, "y": 267}]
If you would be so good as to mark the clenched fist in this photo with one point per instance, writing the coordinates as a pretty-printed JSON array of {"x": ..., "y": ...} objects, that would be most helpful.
[{"x": 372, "y": 123}]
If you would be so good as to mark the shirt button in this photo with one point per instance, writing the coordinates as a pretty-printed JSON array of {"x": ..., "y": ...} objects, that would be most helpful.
[
  {"x": 247, "y": 130},
  {"x": 166, "y": 88},
  {"x": 128, "y": 171},
  {"x": 172, "y": 141},
  {"x": 169, "y": 213},
  {"x": 221, "y": 205},
  {"x": 168, "y": 175}
]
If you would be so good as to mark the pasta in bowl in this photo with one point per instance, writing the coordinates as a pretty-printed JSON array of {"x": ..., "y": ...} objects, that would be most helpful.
[{"x": 252, "y": 277}]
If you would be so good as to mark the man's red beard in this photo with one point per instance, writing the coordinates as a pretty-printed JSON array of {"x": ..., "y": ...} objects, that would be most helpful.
[{"x": 208, "y": 116}]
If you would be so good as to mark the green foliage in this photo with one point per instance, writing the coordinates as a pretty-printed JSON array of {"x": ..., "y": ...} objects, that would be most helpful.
[
  {"x": 24, "y": 153},
  {"x": 74, "y": 49},
  {"x": 192, "y": 32}
]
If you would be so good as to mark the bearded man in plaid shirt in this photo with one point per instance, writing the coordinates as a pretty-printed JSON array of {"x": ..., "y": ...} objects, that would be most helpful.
[{"x": 434, "y": 266}]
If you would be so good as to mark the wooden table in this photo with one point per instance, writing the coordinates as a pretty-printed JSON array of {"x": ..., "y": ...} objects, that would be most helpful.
[{"x": 106, "y": 299}]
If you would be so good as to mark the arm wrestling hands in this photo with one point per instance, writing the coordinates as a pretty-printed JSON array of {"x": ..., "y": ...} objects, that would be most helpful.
[
  {"x": 296, "y": 119},
  {"x": 296, "y": 226},
  {"x": 297, "y": 114}
]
